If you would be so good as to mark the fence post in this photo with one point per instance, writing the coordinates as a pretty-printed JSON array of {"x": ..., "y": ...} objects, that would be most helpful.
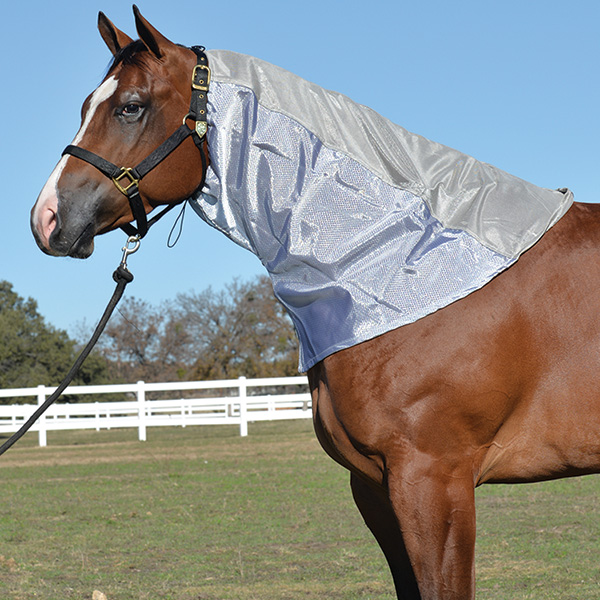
[
  {"x": 141, "y": 397},
  {"x": 41, "y": 398},
  {"x": 243, "y": 407}
]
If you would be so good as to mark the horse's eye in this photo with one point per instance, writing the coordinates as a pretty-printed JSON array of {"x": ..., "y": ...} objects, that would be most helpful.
[{"x": 130, "y": 110}]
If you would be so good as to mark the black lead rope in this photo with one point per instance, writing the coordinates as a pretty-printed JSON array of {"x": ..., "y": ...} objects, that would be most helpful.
[{"x": 122, "y": 276}]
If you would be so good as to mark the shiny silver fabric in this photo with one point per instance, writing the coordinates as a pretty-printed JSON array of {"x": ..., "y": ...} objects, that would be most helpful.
[{"x": 362, "y": 226}]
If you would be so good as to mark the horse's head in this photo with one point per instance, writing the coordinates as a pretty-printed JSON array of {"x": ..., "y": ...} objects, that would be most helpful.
[{"x": 143, "y": 99}]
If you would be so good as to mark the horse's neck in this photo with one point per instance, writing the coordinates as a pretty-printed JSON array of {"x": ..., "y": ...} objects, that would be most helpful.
[{"x": 257, "y": 169}]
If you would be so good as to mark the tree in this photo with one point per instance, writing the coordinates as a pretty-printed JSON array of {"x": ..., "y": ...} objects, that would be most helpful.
[
  {"x": 240, "y": 330},
  {"x": 145, "y": 342},
  {"x": 33, "y": 352}
]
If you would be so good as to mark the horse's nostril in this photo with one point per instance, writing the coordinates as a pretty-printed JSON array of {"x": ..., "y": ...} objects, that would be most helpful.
[{"x": 47, "y": 222}]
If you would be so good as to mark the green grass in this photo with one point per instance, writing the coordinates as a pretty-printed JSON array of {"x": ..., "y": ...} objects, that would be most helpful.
[
  {"x": 196, "y": 513},
  {"x": 539, "y": 541},
  {"x": 202, "y": 514}
]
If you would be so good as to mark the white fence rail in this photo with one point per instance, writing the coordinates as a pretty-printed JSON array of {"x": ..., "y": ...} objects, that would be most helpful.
[{"x": 231, "y": 401}]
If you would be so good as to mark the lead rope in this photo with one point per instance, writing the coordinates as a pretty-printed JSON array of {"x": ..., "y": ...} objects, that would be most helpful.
[{"x": 122, "y": 276}]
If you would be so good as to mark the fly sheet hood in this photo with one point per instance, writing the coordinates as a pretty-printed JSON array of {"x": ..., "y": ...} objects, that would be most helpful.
[{"x": 362, "y": 226}]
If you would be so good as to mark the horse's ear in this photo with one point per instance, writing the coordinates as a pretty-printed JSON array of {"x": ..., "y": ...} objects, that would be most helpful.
[
  {"x": 113, "y": 37},
  {"x": 155, "y": 41}
]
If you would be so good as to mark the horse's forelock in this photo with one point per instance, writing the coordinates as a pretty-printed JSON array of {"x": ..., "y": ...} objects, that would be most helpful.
[
  {"x": 132, "y": 54},
  {"x": 135, "y": 53}
]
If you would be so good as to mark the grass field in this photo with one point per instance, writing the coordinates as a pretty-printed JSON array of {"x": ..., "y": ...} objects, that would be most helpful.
[{"x": 202, "y": 514}]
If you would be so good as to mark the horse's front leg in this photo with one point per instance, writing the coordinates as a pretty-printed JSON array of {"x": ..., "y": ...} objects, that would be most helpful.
[
  {"x": 375, "y": 507},
  {"x": 435, "y": 508},
  {"x": 418, "y": 502}
]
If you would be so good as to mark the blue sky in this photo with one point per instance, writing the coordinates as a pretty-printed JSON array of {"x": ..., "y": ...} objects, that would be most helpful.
[{"x": 513, "y": 83}]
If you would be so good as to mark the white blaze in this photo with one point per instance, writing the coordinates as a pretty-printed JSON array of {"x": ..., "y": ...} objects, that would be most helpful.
[
  {"x": 102, "y": 93},
  {"x": 44, "y": 212}
]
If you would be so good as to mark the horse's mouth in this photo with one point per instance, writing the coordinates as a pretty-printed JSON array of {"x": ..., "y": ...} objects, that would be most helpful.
[
  {"x": 83, "y": 246},
  {"x": 60, "y": 245}
]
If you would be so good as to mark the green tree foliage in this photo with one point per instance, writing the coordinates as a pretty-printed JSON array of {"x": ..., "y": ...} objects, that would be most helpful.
[
  {"x": 240, "y": 330},
  {"x": 33, "y": 352}
]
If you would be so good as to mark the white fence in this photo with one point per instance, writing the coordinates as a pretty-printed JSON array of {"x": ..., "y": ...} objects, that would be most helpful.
[{"x": 232, "y": 401}]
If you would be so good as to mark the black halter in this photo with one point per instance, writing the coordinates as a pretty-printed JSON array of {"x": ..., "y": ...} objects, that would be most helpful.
[{"x": 127, "y": 179}]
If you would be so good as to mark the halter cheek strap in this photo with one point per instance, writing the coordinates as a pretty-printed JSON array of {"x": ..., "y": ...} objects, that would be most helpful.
[{"x": 127, "y": 179}]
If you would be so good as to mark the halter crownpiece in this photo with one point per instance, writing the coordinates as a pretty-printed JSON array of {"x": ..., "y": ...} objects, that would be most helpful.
[{"x": 127, "y": 179}]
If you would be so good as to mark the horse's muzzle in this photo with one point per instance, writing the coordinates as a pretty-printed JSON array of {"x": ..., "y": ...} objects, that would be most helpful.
[{"x": 51, "y": 239}]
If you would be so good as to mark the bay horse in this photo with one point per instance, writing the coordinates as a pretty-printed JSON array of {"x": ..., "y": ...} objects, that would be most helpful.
[{"x": 500, "y": 386}]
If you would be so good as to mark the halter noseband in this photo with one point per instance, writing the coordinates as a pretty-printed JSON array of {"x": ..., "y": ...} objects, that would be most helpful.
[{"x": 127, "y": 179}]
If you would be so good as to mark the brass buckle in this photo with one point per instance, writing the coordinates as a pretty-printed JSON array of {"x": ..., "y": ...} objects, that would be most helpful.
[
  {"x": 202, "y": 85},
  {"x": 125, "y": 173}
]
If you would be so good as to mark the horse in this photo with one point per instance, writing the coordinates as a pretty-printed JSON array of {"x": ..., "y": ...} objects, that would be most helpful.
[{"x": 499, "y": 386}]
